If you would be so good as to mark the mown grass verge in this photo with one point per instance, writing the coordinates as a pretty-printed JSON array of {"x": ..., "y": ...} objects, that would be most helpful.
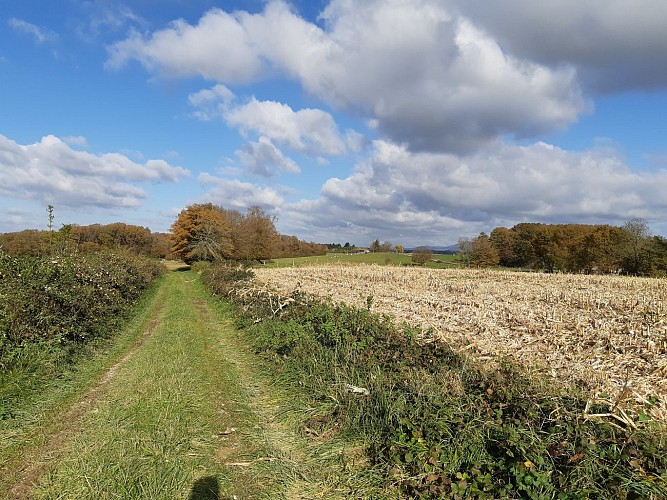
[
  {"x": 186, "y": 416},
  {"x": 436, "y": 423},
  {"x": 58, "y": 317},
  {"x": 156, "y": 430},
  {"x": 43, "y": 408}
]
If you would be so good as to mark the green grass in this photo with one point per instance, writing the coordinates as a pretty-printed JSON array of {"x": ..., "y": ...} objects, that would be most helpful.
[
  {"x": 189, "y": 413},
  {"x": 35, "y": 403},
  {"x": 158, "y": 430},
  {"x": 393, "y": 259}
]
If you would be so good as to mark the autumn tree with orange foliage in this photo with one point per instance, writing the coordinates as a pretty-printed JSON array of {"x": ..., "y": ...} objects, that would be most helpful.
[
  {"x": 210, "y": 232},
  {"x": 259, "y": 235},
  {"x": 201, "y": 232}
]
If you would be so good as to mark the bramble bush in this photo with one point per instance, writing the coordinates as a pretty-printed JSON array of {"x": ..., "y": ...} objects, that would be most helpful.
[
  {"x": 66, "y": 299},
  {"x": 438, "y": 424},
  {"x": 55, "y": 310}
]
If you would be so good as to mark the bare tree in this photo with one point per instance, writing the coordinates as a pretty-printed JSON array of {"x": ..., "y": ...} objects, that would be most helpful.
[{"x": 465, "y": 249}]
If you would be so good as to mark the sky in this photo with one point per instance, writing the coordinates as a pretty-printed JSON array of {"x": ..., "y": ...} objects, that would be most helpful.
[{"x": 411, "y": 121}]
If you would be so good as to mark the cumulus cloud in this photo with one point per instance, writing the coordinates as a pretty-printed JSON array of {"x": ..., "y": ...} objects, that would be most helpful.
[
  {"x": 615, "y": 44},
  {"x": 76, "y": 140},
  {"x": 431, "y": 196},
  {"x": 435, "y": 81},
  {"x": 233, "y": 193},
  {"x": 263, "y": 159},
  {"x": 310, "y": 131},
  {"x": 307, "y": 130},
  {"x": 211, "y": 103},
  {"x": 52, "y": 172},
  {"x": 217, "y": 48},
  {"x": 427, "y": 77},
  {"x": 40, "y": 35}
]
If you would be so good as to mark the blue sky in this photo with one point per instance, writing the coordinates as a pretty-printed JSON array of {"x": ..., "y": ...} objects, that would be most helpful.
[{"x": 412, "y": 121}]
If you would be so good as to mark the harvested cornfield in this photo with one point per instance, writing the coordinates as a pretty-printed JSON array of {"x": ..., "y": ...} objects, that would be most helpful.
[{"x": 608, "y": 334}]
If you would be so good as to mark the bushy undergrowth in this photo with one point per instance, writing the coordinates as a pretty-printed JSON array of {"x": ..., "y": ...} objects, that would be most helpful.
[
  {"x": 438, "y": 424},
  {"x": 51, "y": 306}
]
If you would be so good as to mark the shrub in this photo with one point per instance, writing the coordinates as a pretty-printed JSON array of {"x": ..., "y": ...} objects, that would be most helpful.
[
  {"x": 421, "y": 255},
  {"x": 200, "y": 266},
  {"x": 67, "y": 299},
  {"x": 221, "y": 278}
]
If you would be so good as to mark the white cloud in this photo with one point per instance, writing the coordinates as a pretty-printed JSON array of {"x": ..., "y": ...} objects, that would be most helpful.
[
  {"x": 355, "y": 141},
  {"x": 111, "y": 16},
  {"x": 233, "y": 193},
  {"x": 262, "y": 158},
  {"x": 41, "y": 35},
  {"x": 429, "y": 197},
  {"x": 429, "y": 78},
  {"x": 216, "y": 48},
  {"x": 76, "y": 140},
  {"x": 308, "y": 130},
  {"x": 211, "y": 103},
  {"x": 104, "y": 17},
  {"x": 435, "y": 81},
  {"x": 51, "y": 172}
]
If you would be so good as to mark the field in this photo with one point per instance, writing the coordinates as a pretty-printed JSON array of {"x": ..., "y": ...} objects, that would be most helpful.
[
  {"x": 607, "y": 334},
  {"x": 395, "y": 259}
]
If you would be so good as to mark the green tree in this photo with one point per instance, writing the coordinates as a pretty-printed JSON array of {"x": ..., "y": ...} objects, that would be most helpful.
[
  {"x": 600, "y": 249},
  {"x": 386, "y": 247},
  {"x": 636, "y": 235},
  {"x": 658, "y": 249}
]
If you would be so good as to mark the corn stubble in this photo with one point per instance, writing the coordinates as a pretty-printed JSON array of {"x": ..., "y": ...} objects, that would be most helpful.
[{"x": 607, "y": 334}]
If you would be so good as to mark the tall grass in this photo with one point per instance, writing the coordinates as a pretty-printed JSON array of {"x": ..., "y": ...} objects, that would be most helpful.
[{"x": 437, "y": 423}]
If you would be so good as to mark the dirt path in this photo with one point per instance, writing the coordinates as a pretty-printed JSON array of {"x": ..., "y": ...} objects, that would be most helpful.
[{"x": 183, "y": 413}]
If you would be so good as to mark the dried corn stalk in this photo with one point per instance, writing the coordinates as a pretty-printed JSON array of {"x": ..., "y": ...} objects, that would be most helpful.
[{"x": 607, "y": 333}]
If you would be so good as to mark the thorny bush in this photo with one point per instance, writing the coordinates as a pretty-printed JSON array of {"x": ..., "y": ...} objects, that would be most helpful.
[{"x": 66, "y": 299}]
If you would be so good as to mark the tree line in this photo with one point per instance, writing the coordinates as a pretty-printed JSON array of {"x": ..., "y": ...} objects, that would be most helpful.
[
  {"x": 208, "y": 232},
  {"x": 200, "y": 232},
  {"x": 628, "y": 249},
  {"x": 71, "y": 238}
]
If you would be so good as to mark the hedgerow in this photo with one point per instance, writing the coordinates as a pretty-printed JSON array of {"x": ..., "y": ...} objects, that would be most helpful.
[
  {"x": 51, "y": 308},
  {"x": 437, "y": 423},
  {"x": 67, "y": 299}
]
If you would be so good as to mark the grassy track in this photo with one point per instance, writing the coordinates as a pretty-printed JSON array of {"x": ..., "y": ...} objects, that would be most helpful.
[
  {"x": 44, "y": 418},
  {"x": 182, "y": 414}
]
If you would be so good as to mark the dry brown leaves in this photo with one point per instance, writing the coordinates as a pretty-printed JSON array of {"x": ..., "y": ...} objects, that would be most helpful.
[{"x": 605, "y": 333}]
